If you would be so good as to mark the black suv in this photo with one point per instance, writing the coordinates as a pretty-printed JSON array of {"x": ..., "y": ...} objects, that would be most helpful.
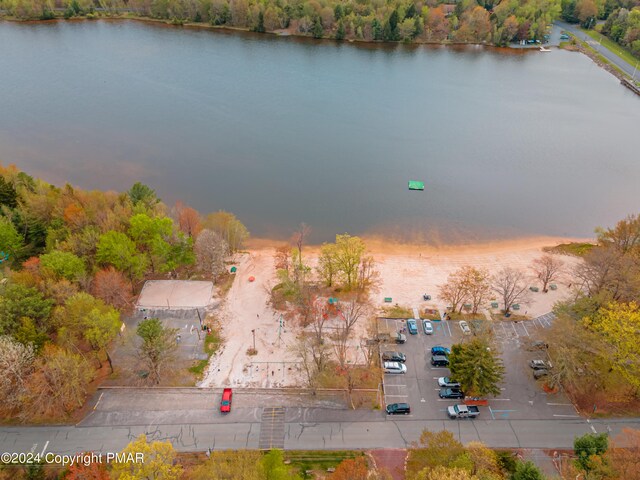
[
  {"x": 398, "y": 409},
  {"x": 394, "y": 357},
  {"x": 451, "y": 393},
  {"x": 439, "y": 361}
]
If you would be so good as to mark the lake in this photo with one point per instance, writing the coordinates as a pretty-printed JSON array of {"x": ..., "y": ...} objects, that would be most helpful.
[{"x": 281, "y": 130}]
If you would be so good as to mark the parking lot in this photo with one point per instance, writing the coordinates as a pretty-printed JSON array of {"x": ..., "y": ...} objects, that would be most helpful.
[{"x": 521, "y": 398}]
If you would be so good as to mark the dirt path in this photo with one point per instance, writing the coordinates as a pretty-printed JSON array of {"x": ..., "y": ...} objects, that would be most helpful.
[{"x": 245, "y": 309}]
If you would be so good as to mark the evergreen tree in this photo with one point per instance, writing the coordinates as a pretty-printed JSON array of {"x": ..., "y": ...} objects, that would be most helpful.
[
  {"x": 317, "y": 29},
  {"x": 340, "y": 32}
]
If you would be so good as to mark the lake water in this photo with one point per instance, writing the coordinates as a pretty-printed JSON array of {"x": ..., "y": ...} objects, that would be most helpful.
[{"x": 280, "y": 131}]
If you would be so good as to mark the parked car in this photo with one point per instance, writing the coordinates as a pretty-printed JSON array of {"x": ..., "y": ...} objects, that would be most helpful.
[
  {"x": 464, "y": 326},
  {"x": 451, "y": 393},
  {"x": 539, "y": 365},
  {"x": 394, "y": 357},
  {"x": 439, "y": 361},
  {"x": 394, "y": 367},
  {"x": 398, "y": 409},
  {"x": 225, "y": 403},
  {"x": 447, "y": 382},
  {"x": 543, "y": 372},
  {"x": 564, "y": 36},
  {"x": 463, "y": 411},
  {"x": 438, "y": 350},
  {"x": 412, "y": 326},
  {"x": 427, "y": 327}
]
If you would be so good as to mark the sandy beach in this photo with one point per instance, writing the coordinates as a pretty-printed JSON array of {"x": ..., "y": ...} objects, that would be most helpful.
[{"x": 406, "y": 273}]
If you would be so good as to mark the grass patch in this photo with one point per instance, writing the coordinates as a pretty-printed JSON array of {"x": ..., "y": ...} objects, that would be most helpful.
[
  {"x": 465, "y": 316},
  {"x": 211, "y": 344},
  {"x": 224, "y": 282},
  {"x": 574, "y": 249},
  {"x": 499, "y": 317},
  {"x": 397, "y": 311},
  {"x": 314, "y": 460},
  {"x": 613, "y": 47}
]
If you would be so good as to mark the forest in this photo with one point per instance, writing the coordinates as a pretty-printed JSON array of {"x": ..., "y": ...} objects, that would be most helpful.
[
  {"x": 72, "y": 262},
  {"x": 621, "y": 19},
  {"x": 466, "y": 21}
]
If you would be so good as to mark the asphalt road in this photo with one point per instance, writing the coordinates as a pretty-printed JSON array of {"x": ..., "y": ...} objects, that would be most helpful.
[
  {"x": 190, "y": 420},
  {"x": 605, "y": 52}
]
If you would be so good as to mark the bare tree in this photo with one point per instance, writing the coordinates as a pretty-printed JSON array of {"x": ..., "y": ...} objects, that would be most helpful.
[
  {"x": 454, "y": 292},
  {"x": 547, "y": 268},
  {"x": 211, "y": 251},
  {"x": 16, "y": 363},
  {"x": 348, "y": 317},
  {"x": 318, "y": 347},
  {"x": 299, "y": 236},
  {"x": 511, "y": 286},
  {"x": 305, "y": 350},
  {"x": 598, "y": 272},
  {"x": 368, "y": 276}
]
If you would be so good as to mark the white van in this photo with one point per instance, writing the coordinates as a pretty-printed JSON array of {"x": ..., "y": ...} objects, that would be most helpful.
[{"x": 394, "y": 367}]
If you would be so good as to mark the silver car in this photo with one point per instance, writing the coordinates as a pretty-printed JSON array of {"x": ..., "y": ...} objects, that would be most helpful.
[
  {"x": 394, "y": 367},
  {"x": 427, "y": 327}
]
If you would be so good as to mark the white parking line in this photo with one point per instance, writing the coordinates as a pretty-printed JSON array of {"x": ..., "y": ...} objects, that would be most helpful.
[
  {"x": 500, "y": 399},
  {"x": 514, "y": 329},
  {"x": 44, "y": 449},
  {"x": 504, "y": 330},
  {"x": 561, "y": 404},
  {"x": 593, "y": 429},
  {"x": 568, "y": 416},
  {"x": 448, "y": 328},
  {"x": 525, "y": 329},
  {"x": 399, "y": 396}
]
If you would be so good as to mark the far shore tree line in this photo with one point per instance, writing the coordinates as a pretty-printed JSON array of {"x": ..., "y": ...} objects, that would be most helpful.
[
  {"x": 72, "y": 263},
  {"x": 464, "y": 21}
]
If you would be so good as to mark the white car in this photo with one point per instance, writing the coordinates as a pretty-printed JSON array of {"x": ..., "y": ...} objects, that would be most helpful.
[
  {"x": 447, "y": 382},
  {"x": 464, "y": 326},
  {"x": 427, "y": 327},
  {"x": 394, "y": 367}
]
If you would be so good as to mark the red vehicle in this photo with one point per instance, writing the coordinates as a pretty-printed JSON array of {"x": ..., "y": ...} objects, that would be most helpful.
[{"x": 225, "y": 404}]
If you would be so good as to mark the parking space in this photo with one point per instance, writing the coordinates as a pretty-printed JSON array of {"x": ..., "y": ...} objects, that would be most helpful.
[
  {"x": 419, "y": 386},
  {"x": 521, "y": 397}
]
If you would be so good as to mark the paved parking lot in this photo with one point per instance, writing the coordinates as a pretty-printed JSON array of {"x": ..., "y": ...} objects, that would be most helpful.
[{"x": 521, "y": 398}]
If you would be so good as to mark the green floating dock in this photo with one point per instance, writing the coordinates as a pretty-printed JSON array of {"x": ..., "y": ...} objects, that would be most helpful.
[{"x": 415, "y": 185}]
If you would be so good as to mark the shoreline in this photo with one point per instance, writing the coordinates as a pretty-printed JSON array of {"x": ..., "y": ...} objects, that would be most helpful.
[
  {"x": 381, "y": 246},
  {"x": 579, "y": 47}
]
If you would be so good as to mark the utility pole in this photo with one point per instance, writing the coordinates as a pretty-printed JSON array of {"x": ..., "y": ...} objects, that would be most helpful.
[{"x": 253, "y": 331}]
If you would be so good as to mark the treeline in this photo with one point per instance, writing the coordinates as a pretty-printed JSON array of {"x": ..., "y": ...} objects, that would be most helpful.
[
  {"x": 465, "y": 21},
  {"x": 594, "y": 342},
  {"x": 622, "y": 17},
  {"x": 72, "y": 261}
]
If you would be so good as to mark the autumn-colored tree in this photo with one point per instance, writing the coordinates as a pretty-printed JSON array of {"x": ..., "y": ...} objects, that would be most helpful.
[
  {"x": 445, "y": 473},
  {"x": 92, "y": 471},
  {"x": 586, "y": 11},
  {"x": 188, "y": 220},
  {"x": 59, "y": 384},
  {"x": 245, "y": 465},
  {"x": 434, "y": 449},
  {"x": 623, "y": 454},
  {"x": 228, "y": 226},
  {"x": 112, "y": 287},
  {"x": 159, "y": 462},
  {"x": 475, "y": 282},
  {"x": 618, "y": 323},
  {"x": 454, "y": 291},
  {"x": 158, "y": 346},
  {"x": 351, "y": 469}
]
